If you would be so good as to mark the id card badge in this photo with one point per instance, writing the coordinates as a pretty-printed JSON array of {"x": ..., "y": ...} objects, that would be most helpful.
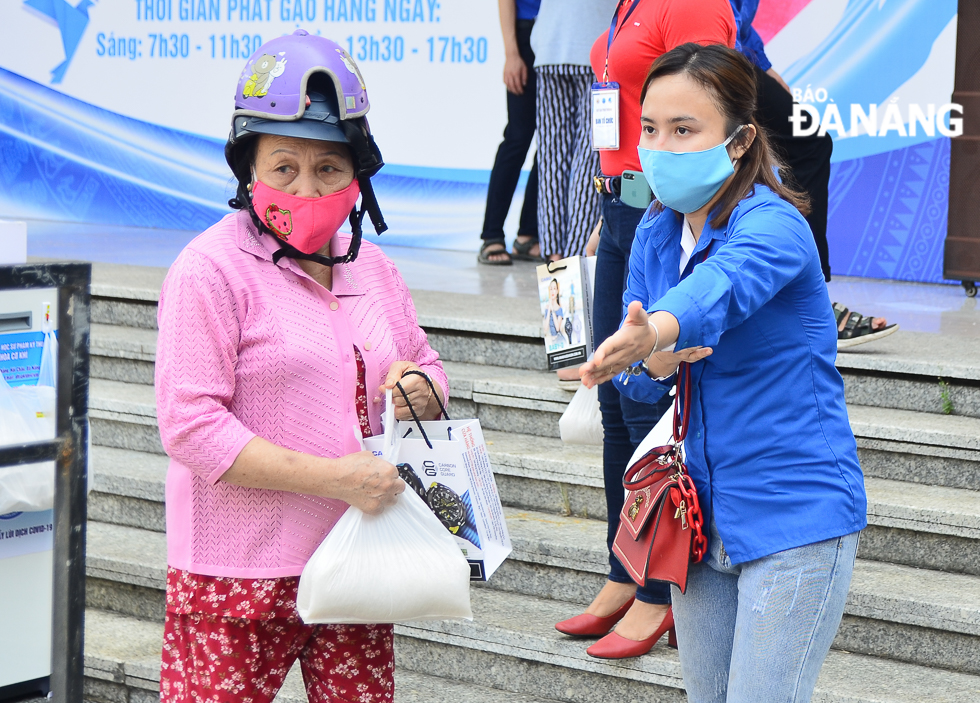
[{"x": 605, "y": 116}]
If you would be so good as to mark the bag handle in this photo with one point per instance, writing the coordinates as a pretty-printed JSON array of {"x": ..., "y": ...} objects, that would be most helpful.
[
  {"x": 415, "y": 417},
  {"x": 631, "y": 483},
  {"x": 681, "y": 422},
  {"x": 432, "y": 387}
]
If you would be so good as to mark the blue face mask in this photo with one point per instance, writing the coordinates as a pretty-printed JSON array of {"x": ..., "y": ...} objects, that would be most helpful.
[{"x": 686, "y": 181}]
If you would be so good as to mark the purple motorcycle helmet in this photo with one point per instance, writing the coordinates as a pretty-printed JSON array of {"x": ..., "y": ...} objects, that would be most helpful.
[{"x": 309, "y": 87}]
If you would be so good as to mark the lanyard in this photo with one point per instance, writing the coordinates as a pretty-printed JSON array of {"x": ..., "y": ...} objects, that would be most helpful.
[{"x": 614, "y": 30}]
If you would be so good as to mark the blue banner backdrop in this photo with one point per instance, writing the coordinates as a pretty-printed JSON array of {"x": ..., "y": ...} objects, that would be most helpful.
[{"x": 99, "y": 138}]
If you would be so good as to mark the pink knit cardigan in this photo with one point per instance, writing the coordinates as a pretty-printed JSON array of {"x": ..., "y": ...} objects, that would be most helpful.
[{"x": 251, "y": 348}]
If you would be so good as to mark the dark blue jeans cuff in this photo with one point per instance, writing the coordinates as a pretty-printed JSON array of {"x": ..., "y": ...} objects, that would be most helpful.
[{"x": 654, "y": 593}]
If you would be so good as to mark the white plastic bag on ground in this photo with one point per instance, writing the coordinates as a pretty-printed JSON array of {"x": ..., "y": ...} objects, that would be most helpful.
[
  {"x": 399, "y": 566},
  {"x": 581, "y": 423},
  {"x": 27, "y": 414}
]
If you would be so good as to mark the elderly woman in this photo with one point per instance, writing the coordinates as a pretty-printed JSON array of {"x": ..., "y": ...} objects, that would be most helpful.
[{"x": 278, "y": 336}]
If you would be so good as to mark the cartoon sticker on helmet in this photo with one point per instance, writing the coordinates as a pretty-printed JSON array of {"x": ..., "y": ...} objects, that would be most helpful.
[
  {"x": 280, "y": 221},
  {"x": 264, "y": 70},
  {"x": 351, "y": 66}
]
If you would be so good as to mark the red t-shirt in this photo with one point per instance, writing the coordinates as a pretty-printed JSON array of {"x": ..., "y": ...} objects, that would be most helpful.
[{"x": 654, "y": 28}]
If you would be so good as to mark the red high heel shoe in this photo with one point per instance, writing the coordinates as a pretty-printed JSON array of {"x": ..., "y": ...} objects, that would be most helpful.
[
  {"x": 614, "y": 646},
  {"x": 588, "y": 625}
]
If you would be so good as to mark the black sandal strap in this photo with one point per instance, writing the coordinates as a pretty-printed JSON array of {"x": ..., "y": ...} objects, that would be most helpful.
[
  {"x": 524, "y": 248},
  {"x": 840, "y": 312},
  {"x": 857, "y": 325}
]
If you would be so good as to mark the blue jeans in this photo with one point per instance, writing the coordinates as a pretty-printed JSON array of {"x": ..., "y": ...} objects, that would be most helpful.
[
  {"x": 760, "y": 631},
  {"x": 625, "y": 422}
]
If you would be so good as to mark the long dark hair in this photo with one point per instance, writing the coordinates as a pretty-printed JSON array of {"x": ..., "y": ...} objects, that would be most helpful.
[{"x": 730, "y": 80}]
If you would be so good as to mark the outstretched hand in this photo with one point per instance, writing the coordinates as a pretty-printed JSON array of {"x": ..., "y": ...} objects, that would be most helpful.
[
  {"x": 665, "y": 363},
  {"x": 633, "y": 342}
]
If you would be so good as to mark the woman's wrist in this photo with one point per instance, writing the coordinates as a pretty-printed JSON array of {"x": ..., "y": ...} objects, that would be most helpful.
[{"x": 656, "y": 340}]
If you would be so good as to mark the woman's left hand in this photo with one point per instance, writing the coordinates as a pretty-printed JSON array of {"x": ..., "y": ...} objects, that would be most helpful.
[
  {"x": 665, "y": 363},
  {"x": 418, "y": 391}
]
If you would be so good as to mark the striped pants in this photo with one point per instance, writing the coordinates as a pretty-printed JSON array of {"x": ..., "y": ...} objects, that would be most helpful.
[{"x": 568, "y": 205}]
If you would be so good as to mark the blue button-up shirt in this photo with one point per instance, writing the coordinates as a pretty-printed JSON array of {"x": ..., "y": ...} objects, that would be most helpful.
[
  {"x": 527, "y": 9},
  {"x": 749, "y": 42},
  {"x": 769, "y": 445}
]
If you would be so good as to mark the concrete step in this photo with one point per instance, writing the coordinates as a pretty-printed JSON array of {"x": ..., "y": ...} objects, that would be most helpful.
[
  {"x": 483, "y": 329},
  {"x": 891, "y": 612},
  {"x": 510, "y": 652},
  {"x": 904, "y": 371},
  {"x": 508, "y": 399},
  {"x": 512, "y": 644},
  {"x": 926, "y": 525},
  {"x": 127, "y": 488},
  {"x": 920, "y": 525},
  {"x": 126, "y": 295},
  {"x": 122, "y": 663},
  {"x": 564, "y": 559},
  {"x": 123, "y": 353},
  {"x": 123, "y": 415},
  {"x": 904, "y": 445},
  {"x": 901, "y": 372}
]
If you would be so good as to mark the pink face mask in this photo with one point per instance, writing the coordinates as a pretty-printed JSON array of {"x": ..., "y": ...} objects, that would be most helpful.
[{"x": 305, "y": 223}]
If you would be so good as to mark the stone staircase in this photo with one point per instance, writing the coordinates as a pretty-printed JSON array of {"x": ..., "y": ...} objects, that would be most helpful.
[{"x": 911, "y": 631}]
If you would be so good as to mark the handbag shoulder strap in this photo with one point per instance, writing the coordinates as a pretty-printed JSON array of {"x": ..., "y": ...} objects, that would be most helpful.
[{"x": 682, "y": 408}]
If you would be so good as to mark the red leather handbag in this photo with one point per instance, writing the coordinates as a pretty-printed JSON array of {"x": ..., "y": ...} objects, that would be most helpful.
[{"x": 661, "y": 526}]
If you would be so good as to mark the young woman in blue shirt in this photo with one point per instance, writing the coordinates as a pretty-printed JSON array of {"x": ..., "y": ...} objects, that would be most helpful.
[{"x": 769, "y": 447}]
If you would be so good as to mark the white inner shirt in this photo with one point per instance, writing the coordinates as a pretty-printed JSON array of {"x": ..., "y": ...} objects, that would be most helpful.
[
  {"x": 687, "y": 248},
  {"x": 687, "y": 243}
]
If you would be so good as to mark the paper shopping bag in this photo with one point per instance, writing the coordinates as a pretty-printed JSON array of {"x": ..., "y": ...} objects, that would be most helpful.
[
  {"x": 398, "y": 566},
  {"x": 446, "y": 463}
]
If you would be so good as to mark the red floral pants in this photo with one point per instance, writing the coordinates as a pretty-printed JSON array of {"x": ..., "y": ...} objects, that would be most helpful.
[
  {"x": 233, "y": 640},
  {"x": 214, "y": 659}
]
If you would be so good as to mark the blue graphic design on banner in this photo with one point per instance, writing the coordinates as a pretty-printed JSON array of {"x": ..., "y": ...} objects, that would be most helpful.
[
  {"x": 893, "y": 208},
  {"x": 67, "y": 160},
  {"x": 71, "y": 22},
  {"x": 128, "y": 128},
  {"x": 885, "y": 62},
  {"x": 874, "y": 50},
  {"x": 91, "y": 165}
]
